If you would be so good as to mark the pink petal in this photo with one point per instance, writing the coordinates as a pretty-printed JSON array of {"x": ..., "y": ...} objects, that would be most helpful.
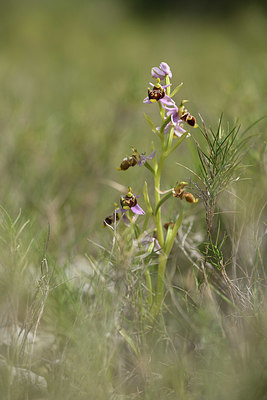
[
  {"x": 167, "y": 101},
  {"x": 137, "y": 210},
  {"x": 157, "y": 73},
  {"x": 166, "y": 69},
  {"x": 146, "y": 100}
]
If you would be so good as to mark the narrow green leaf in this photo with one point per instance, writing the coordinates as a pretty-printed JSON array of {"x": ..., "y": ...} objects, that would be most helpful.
[
  {"x": 177, "y": 143},
  {"x": 170, "y": 138},
  {"x": 18, "y": 217},
  {"x": 169, "y": 233},
  {"x": 176, "y": 89},
  {"x": 224, "y": 297},
  {"x": 148, "y": 166},
  {"x": 129, "y": 340},
  {"x": 253, "y": 123},
  {"x": 151, "y": 124},
  {"x": 165, "y": 123},
  {"x": 146, "y": 197},
  {"x": 171, "y": 238},
  {"x": 162, "y": 201}
]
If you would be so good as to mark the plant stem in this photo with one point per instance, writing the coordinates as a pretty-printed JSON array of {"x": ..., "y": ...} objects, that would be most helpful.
[
  {"x": 160, "y": 283},
  {"x": 157, "y": 200},
  {"x": 162, "y": 256}
]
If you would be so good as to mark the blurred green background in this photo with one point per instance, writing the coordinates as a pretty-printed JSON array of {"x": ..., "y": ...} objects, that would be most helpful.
[{"x": 73, "y": 75}]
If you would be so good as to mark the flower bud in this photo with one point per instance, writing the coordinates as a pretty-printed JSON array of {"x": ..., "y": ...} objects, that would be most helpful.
[{"x": 162, "y": 71}]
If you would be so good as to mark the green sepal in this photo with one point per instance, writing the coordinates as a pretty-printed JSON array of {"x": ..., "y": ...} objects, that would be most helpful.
[
  {"x": 146, "y": 197},
  {"x": 150, "y": 248},
  {"x": 137, "y": 231},
  {"x": 162, "y": 200},
  {"x": 173, "y": 232},
  {"x": 176, "y": 89},
  {"x": 177, "y": 143},
  {"x": 170, "y": 138},
  {"x": 169, "y": 234},
  {"x": 151, "y": 124},
  {"x": 165, "y": 123},
  {"x": 167, "y": 81},
  {"x": 148, "y": 166}
]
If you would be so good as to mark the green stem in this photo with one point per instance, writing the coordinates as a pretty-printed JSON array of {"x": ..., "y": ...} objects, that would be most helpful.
[
  {"x": 162, "y": 255},
  {"x": 162, "y": 200},
  {"x": 157, "y": 200},
  {"x": 163, "y": 258},
  {"x": 160, "y": 283}
]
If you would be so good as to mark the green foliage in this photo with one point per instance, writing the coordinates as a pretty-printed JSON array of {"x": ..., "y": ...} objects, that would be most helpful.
[
  {"x": 222, "y": 157},
  {"x": 70, "y": 103}
]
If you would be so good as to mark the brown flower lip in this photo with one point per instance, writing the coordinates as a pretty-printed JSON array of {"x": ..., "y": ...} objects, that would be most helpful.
[
  {"x": 187, "y": 117},
  {"x": 128, "y": 201},
  {"x": 111, "y": 219},
  {"x": 128, "y": 162},
  {"x": 156, "y": 94}
]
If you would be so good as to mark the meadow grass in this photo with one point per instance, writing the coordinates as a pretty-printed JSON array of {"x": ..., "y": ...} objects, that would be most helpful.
[{"x": 73, "y": 299}]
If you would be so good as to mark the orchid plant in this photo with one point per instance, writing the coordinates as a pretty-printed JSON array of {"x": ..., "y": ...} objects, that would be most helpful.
[{"x": 176, "y": 122}]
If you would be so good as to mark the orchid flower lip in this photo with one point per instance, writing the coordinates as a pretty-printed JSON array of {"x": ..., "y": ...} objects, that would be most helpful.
[{"x": 137, "y": 210}]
